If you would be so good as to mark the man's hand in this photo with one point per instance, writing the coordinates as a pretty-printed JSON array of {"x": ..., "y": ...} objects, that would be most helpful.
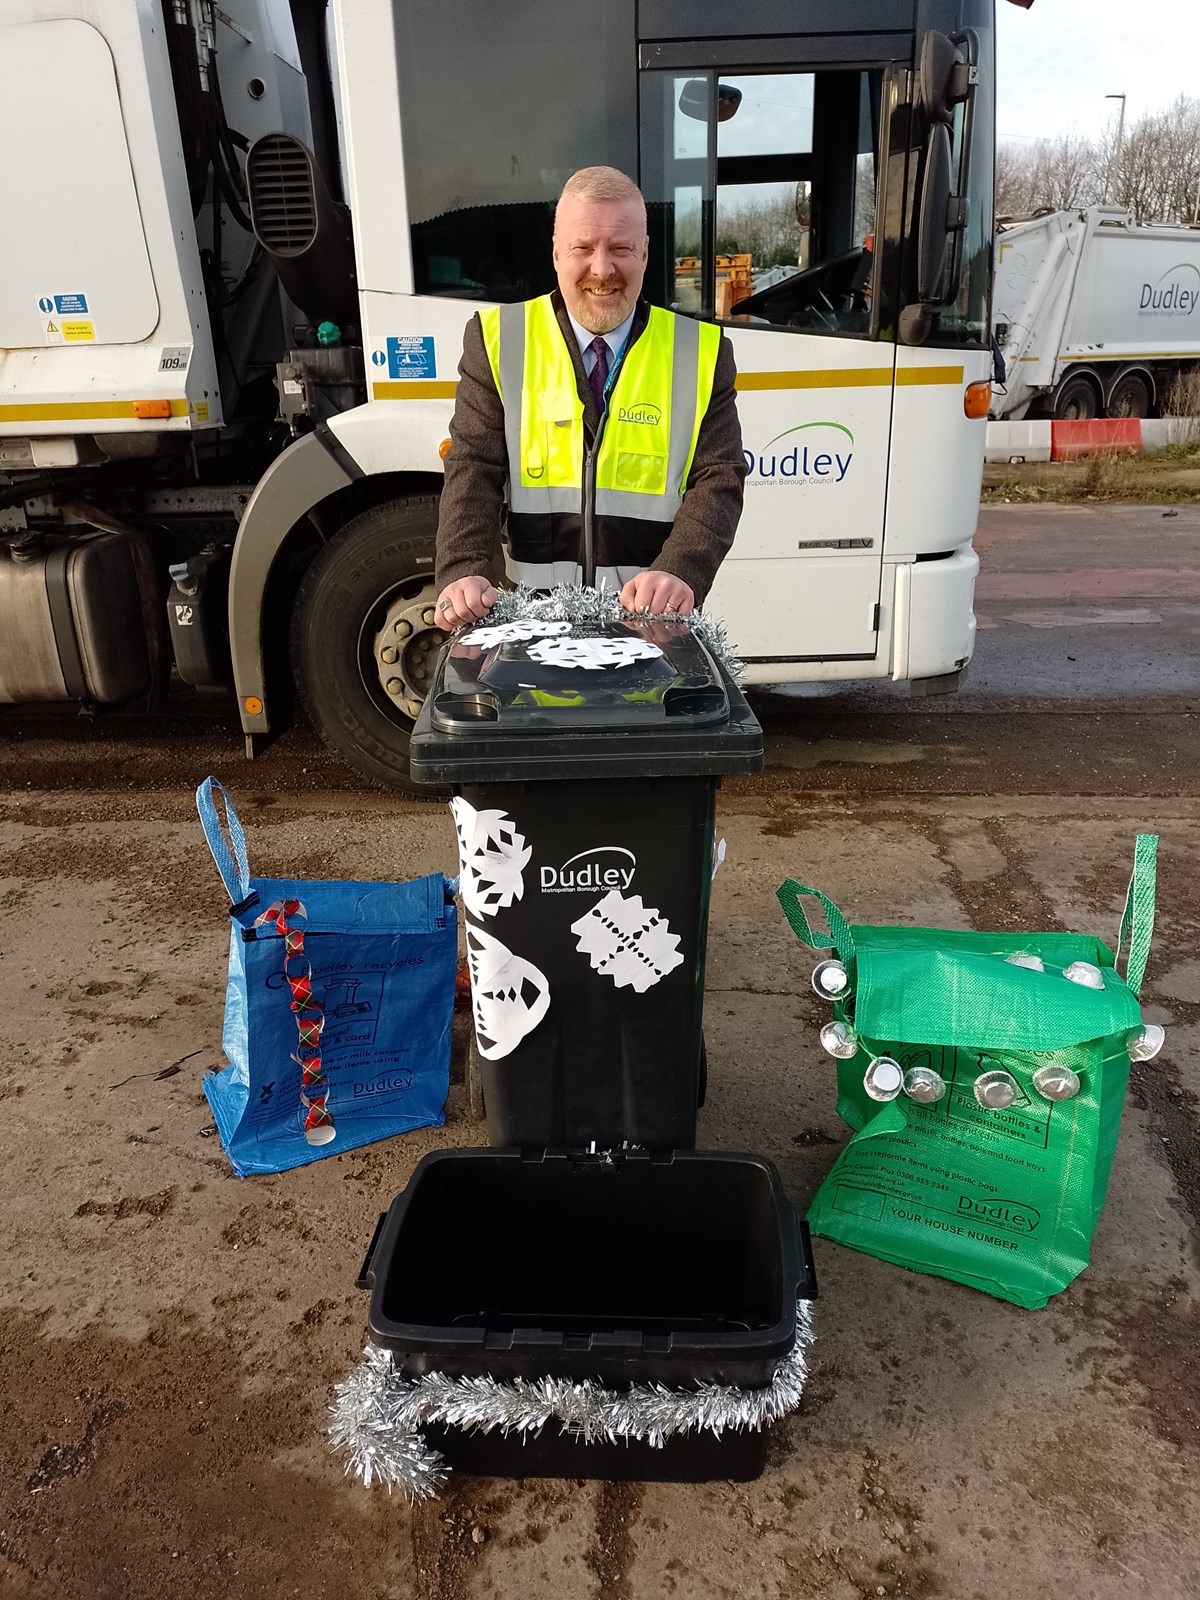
[
  {"x": 658, "y": 592},
  {"x": 465, "y": 600}
]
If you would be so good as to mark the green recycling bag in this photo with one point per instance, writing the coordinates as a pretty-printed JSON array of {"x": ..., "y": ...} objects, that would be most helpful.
[{"x": 1005, "y": 1200}]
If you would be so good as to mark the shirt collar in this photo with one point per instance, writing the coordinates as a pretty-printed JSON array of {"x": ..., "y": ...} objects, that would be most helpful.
[{"x": 615, "y": 340}]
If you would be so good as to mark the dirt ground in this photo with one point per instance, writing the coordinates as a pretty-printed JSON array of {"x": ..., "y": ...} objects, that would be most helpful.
[{"x": 169, "y": 1334}]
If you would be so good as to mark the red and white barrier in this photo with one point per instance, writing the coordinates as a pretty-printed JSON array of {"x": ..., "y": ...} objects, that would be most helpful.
[
  {"x": 1100, "y": 435},
  {"x": 1045, "y": 440}
]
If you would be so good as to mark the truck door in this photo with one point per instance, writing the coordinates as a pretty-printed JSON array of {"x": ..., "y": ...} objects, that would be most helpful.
[{"x": 762, "y": 163}]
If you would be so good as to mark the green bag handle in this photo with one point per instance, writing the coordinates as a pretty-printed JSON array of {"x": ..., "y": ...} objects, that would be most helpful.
[
  {"x": 1137, "y": 920},
  {"x": 789, "y": 894}
]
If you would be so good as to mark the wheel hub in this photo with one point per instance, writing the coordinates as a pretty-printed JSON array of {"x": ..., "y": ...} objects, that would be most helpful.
[{"x": 405, "y": 648}]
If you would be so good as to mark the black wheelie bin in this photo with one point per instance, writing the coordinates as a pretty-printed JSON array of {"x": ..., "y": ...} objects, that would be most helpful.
[{"x": 585, "y": 765}]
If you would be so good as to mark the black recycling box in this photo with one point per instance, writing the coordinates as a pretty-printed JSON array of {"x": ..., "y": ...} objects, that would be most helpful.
[
  {"x": 677, "y": 1268},
  {"x": 597, "y": 784},
  {"x": 631, "y": 1267}
]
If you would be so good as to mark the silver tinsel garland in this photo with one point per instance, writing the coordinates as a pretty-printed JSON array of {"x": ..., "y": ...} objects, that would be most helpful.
[
  {"x": 378, "y": 1411},
  {"x": 573, "y": 603}
]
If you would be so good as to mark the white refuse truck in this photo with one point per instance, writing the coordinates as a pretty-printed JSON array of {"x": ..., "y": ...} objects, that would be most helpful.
[
  {"x": 1094, "y": 315},
  {"x": 242, "y": 242}
]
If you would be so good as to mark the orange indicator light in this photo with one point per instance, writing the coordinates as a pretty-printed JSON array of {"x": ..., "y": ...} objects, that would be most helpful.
[{"x": 977, "y": 399}]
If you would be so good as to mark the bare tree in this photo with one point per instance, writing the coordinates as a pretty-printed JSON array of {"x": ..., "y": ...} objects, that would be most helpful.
[
  {"x": 765, "y": 227},
  {"x": 1155, "y": 173},
  {"x": 1069, "y": 177},
  {"x": 1052, "y": 174},
  {"x": 1157, "y": 170},
  {"x": 1012, "y": 181}
]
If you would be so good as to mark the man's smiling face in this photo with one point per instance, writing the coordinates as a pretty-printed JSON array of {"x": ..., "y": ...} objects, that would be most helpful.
[{"x": 600, "y": 254}]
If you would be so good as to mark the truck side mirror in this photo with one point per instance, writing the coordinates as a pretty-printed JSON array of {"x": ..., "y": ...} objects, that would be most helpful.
[
  {"x": 938, "y": 60},
  {"x": 948, "y": 76},
  {"x": 933, "y": 227},
  {"x": 694, "y": 102}
]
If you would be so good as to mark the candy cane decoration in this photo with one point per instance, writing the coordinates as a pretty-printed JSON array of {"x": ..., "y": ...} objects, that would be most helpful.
[{"x": 310, "y": 1020}]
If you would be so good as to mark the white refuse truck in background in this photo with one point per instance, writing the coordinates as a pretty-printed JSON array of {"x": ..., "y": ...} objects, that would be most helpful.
[
  {"x": 1094, "y": 315},
  {"x": 241, "y": 244}
]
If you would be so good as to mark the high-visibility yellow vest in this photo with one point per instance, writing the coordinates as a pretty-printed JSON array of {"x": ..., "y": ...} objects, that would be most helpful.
[{"x": 657, "y": 399}]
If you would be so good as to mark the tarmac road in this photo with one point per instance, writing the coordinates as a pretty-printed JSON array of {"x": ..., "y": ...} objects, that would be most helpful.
[{"x": 169, "y": 1335}]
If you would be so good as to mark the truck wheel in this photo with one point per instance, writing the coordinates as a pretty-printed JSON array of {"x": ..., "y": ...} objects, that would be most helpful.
[
  {"x": 364, "y": 641},
  {"x": 1130, "y": 397},
  {"x": 1076, "y": 400}
]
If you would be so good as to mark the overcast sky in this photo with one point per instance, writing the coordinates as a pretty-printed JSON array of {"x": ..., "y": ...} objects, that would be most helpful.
[{"x": 1056, "y": 62}]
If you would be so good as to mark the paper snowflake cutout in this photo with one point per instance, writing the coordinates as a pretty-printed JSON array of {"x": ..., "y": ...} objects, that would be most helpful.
[
  {"x": 592, "y": 653},
  {"x": 512, "y": 632},
  {"x": 509, "y": 996},
  {"x": 492, "y": 857},
  {"x": 628, "y": 942}
]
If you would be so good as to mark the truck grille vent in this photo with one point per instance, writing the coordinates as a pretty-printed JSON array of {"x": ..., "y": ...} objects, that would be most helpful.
[{"x": 283, "y": 201}]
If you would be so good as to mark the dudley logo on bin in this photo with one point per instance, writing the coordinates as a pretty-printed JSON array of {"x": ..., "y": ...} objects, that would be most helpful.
[{"x": 605, "y": 866}]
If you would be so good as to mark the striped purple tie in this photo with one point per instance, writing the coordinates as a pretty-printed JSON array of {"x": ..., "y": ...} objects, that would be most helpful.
[{"x": 598, "y": 376}]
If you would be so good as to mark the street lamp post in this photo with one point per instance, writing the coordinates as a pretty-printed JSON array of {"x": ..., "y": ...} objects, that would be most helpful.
[{"x": 1116, "y": 154}]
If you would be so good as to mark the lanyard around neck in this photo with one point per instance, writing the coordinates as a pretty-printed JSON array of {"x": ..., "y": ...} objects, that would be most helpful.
[{"x": 616, "y": 366}]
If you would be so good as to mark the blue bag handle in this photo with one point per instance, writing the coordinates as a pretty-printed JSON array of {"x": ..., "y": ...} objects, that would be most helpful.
[
  {"x": 230, "y": 856},
  {"x": 1137, "y": 920}
]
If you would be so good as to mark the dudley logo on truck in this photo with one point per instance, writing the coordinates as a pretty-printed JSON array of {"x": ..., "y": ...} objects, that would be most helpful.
[
  {"x": 806, "y": 457},
  {"x": 1175, "y": 294}
]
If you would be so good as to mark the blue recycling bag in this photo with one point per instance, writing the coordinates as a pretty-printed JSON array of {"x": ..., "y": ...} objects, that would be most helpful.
[{"x": 337, "y": 1009}]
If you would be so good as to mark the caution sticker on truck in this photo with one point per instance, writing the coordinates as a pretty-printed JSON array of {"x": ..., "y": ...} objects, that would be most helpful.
[
  {"x": 63, "y": 305},
  {"x": 411, "y": 356},
  {"x": 75, "y": 332}
]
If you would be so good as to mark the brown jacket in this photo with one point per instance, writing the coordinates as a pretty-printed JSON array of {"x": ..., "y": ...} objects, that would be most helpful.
[{"x": 472, "y": 505}]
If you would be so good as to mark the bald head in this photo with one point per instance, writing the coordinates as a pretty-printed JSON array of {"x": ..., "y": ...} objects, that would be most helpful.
[
  {"x": 600, "y": 246},
  {"x": 601, "y": 183}
]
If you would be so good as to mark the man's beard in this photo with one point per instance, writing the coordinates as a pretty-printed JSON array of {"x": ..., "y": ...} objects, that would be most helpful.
[{"x": 602, "y": 317}]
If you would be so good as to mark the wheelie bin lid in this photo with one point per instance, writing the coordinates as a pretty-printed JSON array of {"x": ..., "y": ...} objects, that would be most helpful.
[{"x": 527, "y": 701}]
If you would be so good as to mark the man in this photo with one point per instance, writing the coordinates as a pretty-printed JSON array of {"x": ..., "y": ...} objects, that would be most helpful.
[{"x": 608, "y": 426}]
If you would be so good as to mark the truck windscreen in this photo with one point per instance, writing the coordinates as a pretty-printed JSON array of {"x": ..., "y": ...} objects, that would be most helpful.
[
  {"x": 763, "y": 209},
  {"x": 499, "y": 109}
]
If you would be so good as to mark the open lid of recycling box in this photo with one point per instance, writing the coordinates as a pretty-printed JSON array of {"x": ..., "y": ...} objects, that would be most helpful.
[{"x": 635, "y": 698}]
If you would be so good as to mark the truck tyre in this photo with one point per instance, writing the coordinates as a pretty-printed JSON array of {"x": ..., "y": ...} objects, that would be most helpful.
[
  {"x": 1130, "y": 396},
  {"x": 363, "y": 637},
  {"x": 1076, "y": 400}
]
